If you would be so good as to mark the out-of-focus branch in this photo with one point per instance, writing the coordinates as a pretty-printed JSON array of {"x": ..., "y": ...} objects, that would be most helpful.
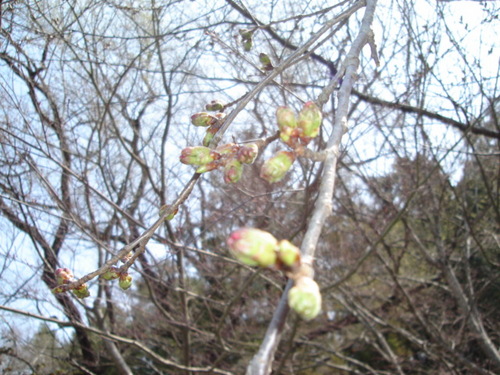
[
  {"x": 262, "y": 361},
  {"x": 429, "y": 114}
]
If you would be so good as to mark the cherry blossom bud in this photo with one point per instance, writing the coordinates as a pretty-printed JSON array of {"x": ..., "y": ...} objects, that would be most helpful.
[
  {"x": 228, "y": 149},
  {"x": 274, "y": 169},
  {"x": 198, "y": 155},
  {"x": 305, "y": 298},
  {"x": 247, "y": 44},
  {"x": 287, "y": 122},
  {"x": 64, "y": 276},
  {"x": 111, "y": 274},
  {"x": 253, "y": 247},
  {"x": 57, "y": 290},
  {"x": 125, "y": 281},
  {"x": 246, "y": 38},
  {"x": 82, "y": 291},
  {"x": 203, "y": 119},
  {"x": 208, "y": 167},
  {"x": 266, "y": 62},
  {"x": 310, "y": 119},
  {"x": 232, "y": 171},
  {"x": 288, "y": 254},
  {"x": 247, "y": 153},
  {"x": 214, "y": 105}
]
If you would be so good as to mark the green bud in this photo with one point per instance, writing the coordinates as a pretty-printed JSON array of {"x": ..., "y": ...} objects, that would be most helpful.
[
  {"x": 125, "y": 281},
  {"x": 274, "y": 169},
  {"x": 287, "y": 122},
  {"x": 305, "y": 298},
  {"x": 253, "y": 247},
  {"x": 214, "y": 105},
  {"x": 288, "y": 254},
  {"x": 64, "y": 276},
  {"x": 232, "y": 171},
  {"x": 57, "y": 290},
  {"x": 266, "y": 62},
  {"x": 310, "y": 120},
  {"x": 208, "y": 167},
  {"x": 111, "y": 274},
  {"x": 246, "y": 34},
  {"x": 247, "y": 44},
  {"x": 246, "y": 38},
  {"x": 82, "y": 291},
  {"x": 198, "y": 155},
  {"x": 203, "y": 119}
]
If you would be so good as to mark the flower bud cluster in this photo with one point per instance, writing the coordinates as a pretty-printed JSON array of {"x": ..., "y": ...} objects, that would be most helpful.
[
  {"x": 65, "y": 276},
  {"x": 231, "y": 157},
  {"x": 299, "y": 131},
  {"x": 113, "y": 273},
  {"x": 255, "y": 247},
  {"x": 296, "y": 132}
]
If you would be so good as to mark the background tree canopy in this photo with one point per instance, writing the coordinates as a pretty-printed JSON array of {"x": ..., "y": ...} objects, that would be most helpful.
[{"x": 96, "y": 99}]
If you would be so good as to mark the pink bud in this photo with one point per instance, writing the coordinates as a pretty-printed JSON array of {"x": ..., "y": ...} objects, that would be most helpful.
[
  {"x": 64, "y": 276},
  {"x": 253, "y": 247},
  {"x": 286, "y": 118},
  {"x": 198, "y": 155},
  {"x": 310, "y": 120},
  {"x": 232, "y": 171},
  {"x": 203, "y": 119},
  {"x": 125, "y": 281},
  {"x": 305, "y": 298},
  {"x": 274, "y": 169},
  {"x": 248, "y": 153}
]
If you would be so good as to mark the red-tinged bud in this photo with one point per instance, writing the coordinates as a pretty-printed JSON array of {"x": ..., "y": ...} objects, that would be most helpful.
[
  {"x": 310, "y": 120},
  {"x": 208, "y": 167},
  {"x": 214, "y": 105},
  {"x": 82, "y": 291},
  {"x": 232, "y": 171},
  {"x": 198, "y": 155},
  {"x": 288, "y": 254},
  {"x": 247, "y": 153},
  {"x": 305, "y": 298},
  {"x": 64, "y": 276},
  {"x": 125, "y": 281},
  {"x": 274, "y": 169},
  {"x": 111, "y": 274},
  {"x": 228, "y": 149},
  {"x": 166, "y": 207},
  {"x": 203, "y": 119},
  {"x": 253, "y": 247}
]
